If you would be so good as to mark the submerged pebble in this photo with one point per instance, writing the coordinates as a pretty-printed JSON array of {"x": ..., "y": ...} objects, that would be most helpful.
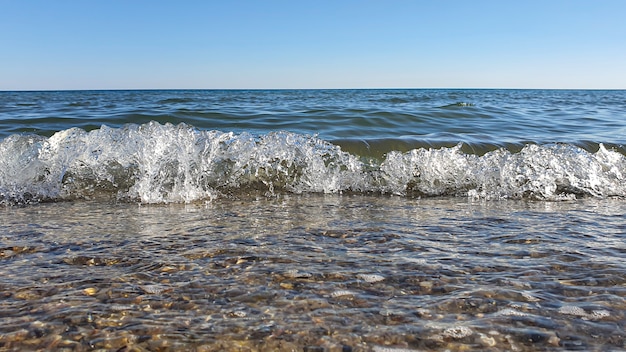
[
  {"x": 511, "y": 312},
  {"x": 342, "y": 293},
  {"x": 153, "y": 289},
  {"x": 457, "y": 332},
  {"x": 371, "y": 278},
  {"x": 392, "y": 349},
  {"x": 90, "y": 291},
  {"x": 572, "y": 310},
  {"x": 599, "y": 314},
  {"x": 579, "y": 312},
  {"x": 487, "y": 341},
  {"x": 297, "y": 274}
]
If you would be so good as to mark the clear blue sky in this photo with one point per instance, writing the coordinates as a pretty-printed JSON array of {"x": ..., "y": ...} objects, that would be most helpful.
[{"x": 126, "y": 44}]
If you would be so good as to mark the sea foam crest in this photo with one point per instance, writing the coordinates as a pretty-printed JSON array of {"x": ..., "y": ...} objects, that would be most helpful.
[
  {"x": 156, "y": 163},
  {"x": 541, "y": 172}
]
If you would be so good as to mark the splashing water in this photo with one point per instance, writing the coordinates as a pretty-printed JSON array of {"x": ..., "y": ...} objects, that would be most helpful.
[{"x": 155, "y": 163}]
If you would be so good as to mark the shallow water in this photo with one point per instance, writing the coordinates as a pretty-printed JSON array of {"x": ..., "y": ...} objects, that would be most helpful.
[{"x": 315, "y": 272}]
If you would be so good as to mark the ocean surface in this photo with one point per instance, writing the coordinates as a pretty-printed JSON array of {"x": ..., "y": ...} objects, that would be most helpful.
[{"x": 313, "y": 220}]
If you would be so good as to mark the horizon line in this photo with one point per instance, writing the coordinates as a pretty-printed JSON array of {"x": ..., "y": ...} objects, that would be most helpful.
[{"x": 287, "y": 89}]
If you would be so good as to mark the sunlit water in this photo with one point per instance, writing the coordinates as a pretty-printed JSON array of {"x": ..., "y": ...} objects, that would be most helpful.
[
  {"x": 325, "y": 271},
  {"x": 374, "y": 220}
]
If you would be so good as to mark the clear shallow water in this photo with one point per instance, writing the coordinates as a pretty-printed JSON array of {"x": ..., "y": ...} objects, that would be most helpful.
[
  {"x": 316, "y": 271},
  {"x": 366, "y": 220}
]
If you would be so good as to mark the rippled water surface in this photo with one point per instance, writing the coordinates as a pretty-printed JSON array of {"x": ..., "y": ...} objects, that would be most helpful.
[
  {"x": 315, "y": 273},
  {"x": 384, "y": 118},
  {"x": 313, "y": 220}
]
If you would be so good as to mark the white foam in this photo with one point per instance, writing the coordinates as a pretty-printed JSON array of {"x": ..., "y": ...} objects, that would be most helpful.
[
  {"x": 156, "y": 163},
  {"x": 545, "y": 172}
]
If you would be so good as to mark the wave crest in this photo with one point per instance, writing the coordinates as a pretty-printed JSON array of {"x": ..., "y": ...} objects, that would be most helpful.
[
  {"x": 550, "y": 172},
  {"x": 155, "y": 163}
]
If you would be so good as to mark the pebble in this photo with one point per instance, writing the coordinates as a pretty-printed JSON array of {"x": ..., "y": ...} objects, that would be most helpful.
[
  {"x": 426, "y": 284},
  {"x": 511, "y": 312},
  {"x": 297, "y": 274},
  {"x": 90, "y": 291},
  {"x": 371, "y": 278},
  {"x": 572, "y": 310},
  {"x": 239, "y": 314},
  {"x": 554, "y": 340},
  {"x": 286, "y": 285},
  {"x": 341, "y": 293},
  {"x": 152, "y": 289},
  {"x": 121, "y": 307},
  {"x": 579, "y": 312},
  {"x": 457, "y": 332},
  {"x": 487, "y": 341},
  {"x": 599, "y": 314},
  {"x": 529, "y": 297},
  {"x": 391, "y": 349}
]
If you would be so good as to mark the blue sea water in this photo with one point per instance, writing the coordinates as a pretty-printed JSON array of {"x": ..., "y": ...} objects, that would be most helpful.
[
  {"x": 489, "y": 117},
  {"x": 313, "y": 220}
]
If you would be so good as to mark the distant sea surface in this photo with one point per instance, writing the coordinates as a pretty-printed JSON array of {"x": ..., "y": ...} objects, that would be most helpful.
[{"x": 315, "y": 220}]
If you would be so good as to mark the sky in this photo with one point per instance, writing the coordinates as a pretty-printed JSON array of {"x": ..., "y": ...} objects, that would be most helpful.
[{"x": 267, "y": 44}]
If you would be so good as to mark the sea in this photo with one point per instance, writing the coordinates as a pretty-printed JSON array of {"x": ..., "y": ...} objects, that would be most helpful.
[{"x": 385, "y": 220}]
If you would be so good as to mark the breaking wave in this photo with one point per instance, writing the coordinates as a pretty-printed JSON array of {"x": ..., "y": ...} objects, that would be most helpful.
[{"x": 163, "y": 163}]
